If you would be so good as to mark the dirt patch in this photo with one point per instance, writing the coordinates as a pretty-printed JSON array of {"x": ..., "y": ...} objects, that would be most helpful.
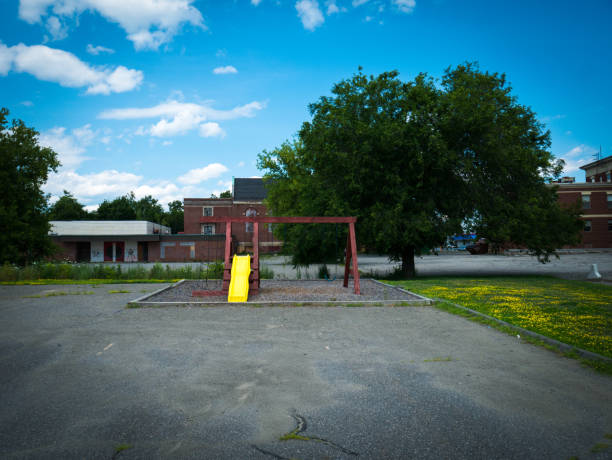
[{"x": 292, "y": 291}]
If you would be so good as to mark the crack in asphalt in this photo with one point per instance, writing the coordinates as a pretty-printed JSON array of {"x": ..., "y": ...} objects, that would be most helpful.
[{"x": 295, "y": 434}]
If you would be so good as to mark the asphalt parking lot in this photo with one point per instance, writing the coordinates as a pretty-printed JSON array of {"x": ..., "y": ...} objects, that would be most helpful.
[{"x": 84, "y": 377}]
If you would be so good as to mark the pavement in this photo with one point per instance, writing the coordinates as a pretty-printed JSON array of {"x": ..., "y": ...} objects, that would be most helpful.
[
  {"x": 571, "y": 265},
  {"x": 83, "y": 377}
]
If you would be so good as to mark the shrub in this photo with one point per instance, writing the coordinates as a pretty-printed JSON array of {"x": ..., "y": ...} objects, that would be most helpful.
[
  {"x": 323, "y": 272},
  {"x": 157, "y": 271},
  {"x": 214, "y": 270},
  {"x": 266, "y": 273},
  {"x": 8, "y": 272}
]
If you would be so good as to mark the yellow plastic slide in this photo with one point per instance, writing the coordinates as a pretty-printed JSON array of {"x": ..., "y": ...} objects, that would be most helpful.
[{"x": 239, "y": 283}]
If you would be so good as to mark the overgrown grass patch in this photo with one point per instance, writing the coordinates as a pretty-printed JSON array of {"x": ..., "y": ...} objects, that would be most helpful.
[
  {"x": 578, "y": 313},
  {"x": 39, "y": 272}
]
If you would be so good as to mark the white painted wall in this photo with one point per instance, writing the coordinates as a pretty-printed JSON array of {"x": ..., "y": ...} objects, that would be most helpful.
[
  {"x": 106, "y": 227},
  {"x": 97, "y": 251},
  {"x": 131, "y": 246}
]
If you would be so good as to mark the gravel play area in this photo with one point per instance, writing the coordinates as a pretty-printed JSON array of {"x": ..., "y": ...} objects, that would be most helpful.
[{"x": 290, "y": 291}]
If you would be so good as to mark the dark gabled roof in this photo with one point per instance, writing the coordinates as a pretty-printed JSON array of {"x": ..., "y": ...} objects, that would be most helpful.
[{"x": 249, "y": 189}]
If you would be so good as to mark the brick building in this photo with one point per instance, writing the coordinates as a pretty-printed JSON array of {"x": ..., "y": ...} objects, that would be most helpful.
[
  {"x": 141, "y": 241},
  {"x": 595, "y": 197},
  {"x": 247, "y": 200}
]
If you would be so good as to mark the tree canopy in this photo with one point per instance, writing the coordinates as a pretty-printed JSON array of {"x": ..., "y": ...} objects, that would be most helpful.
[
  {"x": 24, "y": 168},
  {"x": 67, "y": 208},
  {"x": 418, "y": 161}
]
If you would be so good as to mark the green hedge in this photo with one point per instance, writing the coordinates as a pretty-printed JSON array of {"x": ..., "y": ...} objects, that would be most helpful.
[{"x": 117, "y": 272}]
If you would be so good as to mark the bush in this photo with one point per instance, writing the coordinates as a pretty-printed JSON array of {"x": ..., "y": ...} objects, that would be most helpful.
[
  {"x": 214, "y": 270},
  {"x": 157, "y": 272},
  {"x": 323, "y": 272},
  {"x": 9, "y": 272},
  {"x": 266, "y": 273}
]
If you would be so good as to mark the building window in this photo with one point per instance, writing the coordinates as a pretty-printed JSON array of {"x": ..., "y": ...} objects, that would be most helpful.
[
  {"x": 610, "y": 225},
  {"x": 586, "y": 201},
  {"x": 208, "y": 229},
  {"x": 208, "y": 211},
  {"x": 587, "y": 225},
  {"x": 610, "y": 201},
  {"x": 609, "y": 177},
  {"x": 270, "y": 229},
  {"x": 249, "y": 225}
]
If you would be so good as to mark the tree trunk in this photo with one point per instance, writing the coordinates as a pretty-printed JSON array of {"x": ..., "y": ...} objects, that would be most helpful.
[{"x": 408, "y": 270}]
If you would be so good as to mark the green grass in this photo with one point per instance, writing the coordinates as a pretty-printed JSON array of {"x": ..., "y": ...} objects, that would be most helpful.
[
  {"x": 118, "y": 291},
  {"x": 577, "y": 313},
  {"x": 93, "y": 282},
  {"x": 61, "y": 272},
  {"x": 57, "y": 293}
]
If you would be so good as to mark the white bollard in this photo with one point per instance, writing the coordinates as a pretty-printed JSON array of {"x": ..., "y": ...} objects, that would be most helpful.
[{"x": 594, "y": 274}]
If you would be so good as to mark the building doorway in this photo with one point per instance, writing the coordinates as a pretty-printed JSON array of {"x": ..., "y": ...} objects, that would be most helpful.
[
  {"x": 143, "y": 251},
  {"x": 113, "y": 251},
  {"x": 83, "y": 251}
]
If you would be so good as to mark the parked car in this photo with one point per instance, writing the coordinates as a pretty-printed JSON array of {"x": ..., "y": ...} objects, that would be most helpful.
[{"x": 480, "y": 247}]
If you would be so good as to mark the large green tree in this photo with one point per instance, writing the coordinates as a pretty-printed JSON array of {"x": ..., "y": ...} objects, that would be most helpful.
[
  {"x": 418, "y": 161},
  {"x": 121, "y": 208},
  {"x": 148, "y": 208},
  {"x": 67, "y": 208},
  {"x": 24, "y": 168},
  {"x": 174, "y": 218}
]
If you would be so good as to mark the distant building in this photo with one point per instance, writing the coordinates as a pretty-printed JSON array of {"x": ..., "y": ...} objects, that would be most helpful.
[
  {"x": 141, "y": 241},
  {"x": 247, "y": 200},
  {"x": 596, "y": 202},
  {"x": 599, "y": 171},
  {"x": 565, "y": 180},
  {"x": 107, "y": 240}
]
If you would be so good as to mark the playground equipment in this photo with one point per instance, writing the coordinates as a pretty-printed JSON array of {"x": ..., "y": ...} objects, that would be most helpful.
[
  {"x": 253, "y": 284},
  {"x": 239, "y": 284}
]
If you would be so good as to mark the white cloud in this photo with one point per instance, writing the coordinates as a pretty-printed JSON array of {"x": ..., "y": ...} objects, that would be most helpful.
[
  {"x": 332, "y": 8},
  {"x": 405, "y": 6},
  {"x": 69, "y": 147},
  {"x": 58, "y": 66},
  {"x": 221, "y": 53},
  {"x": 148, "y": 23},
  {"x": 55, "y": 27},
  {"x": 95, "y": 50},
  {"x": 359, "y": 2},
  {"x": 6, "y": 59},
  {"x": 576, "y": 157},
  {"x": 309, "y": 13},
  {"x": 241, "y": 164},
  {"x": 180, "y": 117},
  {"x": 195, "y": 176},
  {"x": 27, "y": 103},
  {"x": 211, "y": 129},
  {"x": 85, "y": 187},
  {"x": 225, "y": 70},
  {"x": 255, "y": 2}
]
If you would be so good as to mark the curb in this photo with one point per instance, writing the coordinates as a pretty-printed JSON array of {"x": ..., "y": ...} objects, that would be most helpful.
[
  {"x": 146, "y": 296},
  {"x": 420, "y": 301},
  {"x": 561, "y": 345}
]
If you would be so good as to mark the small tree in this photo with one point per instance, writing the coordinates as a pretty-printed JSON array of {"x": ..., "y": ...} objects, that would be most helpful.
[
  {"x": 121, "y": 208},
  {"x": 24, "y": 168},
  {"x": 174, "y": 218},
  {"x": 148, "y": 208},
  {"x": 67, "y": 208}
]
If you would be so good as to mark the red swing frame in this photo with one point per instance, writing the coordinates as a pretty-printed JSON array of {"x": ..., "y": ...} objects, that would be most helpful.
[{"x": 351, "y": 246}]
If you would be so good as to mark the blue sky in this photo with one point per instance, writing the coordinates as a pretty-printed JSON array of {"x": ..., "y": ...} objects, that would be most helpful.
[{"x": 174, "y": 97}]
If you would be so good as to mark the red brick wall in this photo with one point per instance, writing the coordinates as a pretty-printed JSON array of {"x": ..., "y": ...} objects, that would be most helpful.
[
  {"x": 66, "y": 251},
  {"x": 598, "y": 213},
  {"x": 242, "y": 238}
]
